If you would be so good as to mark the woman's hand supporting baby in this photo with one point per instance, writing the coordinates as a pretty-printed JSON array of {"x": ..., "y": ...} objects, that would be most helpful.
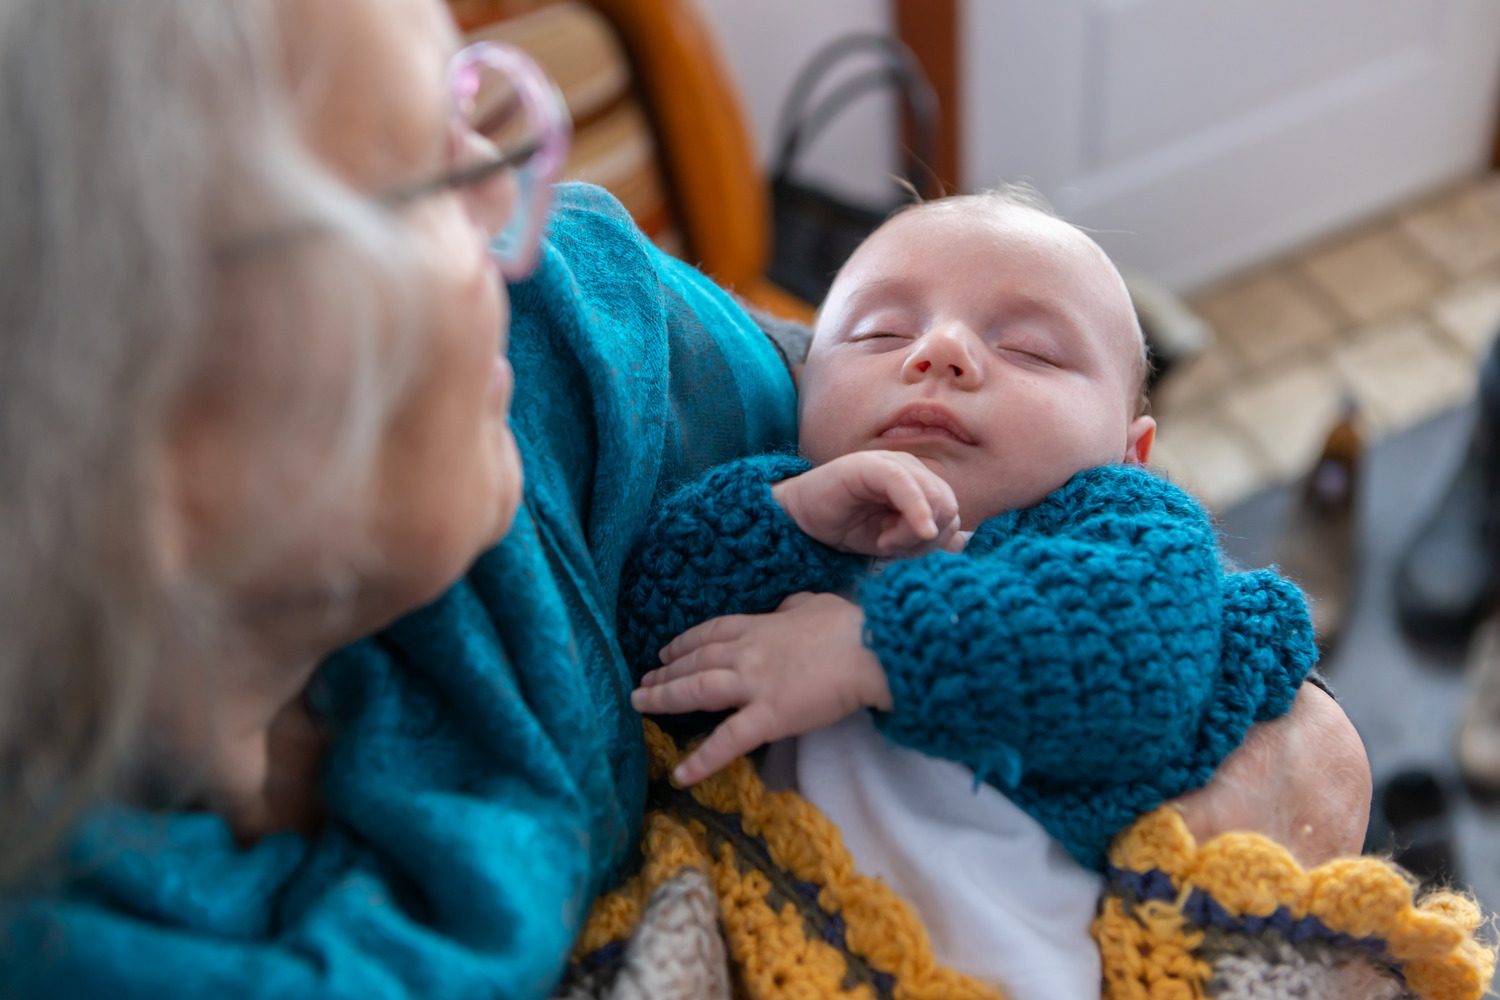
[{"x": 1303, "y": 780}]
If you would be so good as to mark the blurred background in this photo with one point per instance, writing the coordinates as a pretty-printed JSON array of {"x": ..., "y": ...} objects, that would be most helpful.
[{"x": 1301, "y": 195}]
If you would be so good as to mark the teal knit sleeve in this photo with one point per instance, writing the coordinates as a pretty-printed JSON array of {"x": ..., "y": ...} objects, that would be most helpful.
[
  {"x": 720, "y": 545},
  {"x": 1077, "y": 641},
  {"x": 1086, "y": 655}
]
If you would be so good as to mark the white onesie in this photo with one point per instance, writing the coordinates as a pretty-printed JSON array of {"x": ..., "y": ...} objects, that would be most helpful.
[{"x": 1002, "y": 901}]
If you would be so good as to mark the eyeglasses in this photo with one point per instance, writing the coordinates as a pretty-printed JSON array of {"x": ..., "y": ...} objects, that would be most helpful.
[
  {"x": 504, "y": 100},
  {"x": 509, "y": 134}
]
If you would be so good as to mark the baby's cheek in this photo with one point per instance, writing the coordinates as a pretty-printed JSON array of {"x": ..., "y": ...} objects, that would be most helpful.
[
  {"x": 819, "y": 438},
  {"x": 832, "y": 414}
]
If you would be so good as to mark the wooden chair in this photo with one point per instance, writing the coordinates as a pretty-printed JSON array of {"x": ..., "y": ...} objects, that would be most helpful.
[{"x": 657, "y": 122}]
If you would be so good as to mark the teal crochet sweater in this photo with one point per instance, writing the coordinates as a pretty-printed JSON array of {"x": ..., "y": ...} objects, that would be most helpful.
[
  {"x": 487, "y": 775},
  {"x": 1088, "y": 655}
]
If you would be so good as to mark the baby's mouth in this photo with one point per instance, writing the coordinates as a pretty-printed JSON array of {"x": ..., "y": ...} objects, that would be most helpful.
[{"x": 926, "y": 422}]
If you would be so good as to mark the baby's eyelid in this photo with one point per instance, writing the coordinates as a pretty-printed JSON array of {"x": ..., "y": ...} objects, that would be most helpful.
[{"x": 1046, "y": 357}]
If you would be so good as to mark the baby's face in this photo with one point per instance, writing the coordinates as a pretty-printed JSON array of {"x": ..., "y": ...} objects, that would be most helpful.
[{"x": 995, "y": 343}]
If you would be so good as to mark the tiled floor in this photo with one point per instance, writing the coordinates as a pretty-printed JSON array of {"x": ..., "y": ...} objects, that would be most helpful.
[
  {"x": 1404, "y": 698},
  {"x": 1392, "y": 314}
]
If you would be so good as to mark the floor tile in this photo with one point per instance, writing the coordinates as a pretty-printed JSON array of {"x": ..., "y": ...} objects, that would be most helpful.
[
  {"x": 1194, "y": 381},
  {"x": 1402, "y": 372},
  {"x": 1470, "y": 313},
  {"x": 1287, "y": 413},
  {"x": 1210, "y": 459},
  {"x": 1404, "y": 698},
  {"x": 1372, "y": 274},
  {"x": 1267, "y": 316},
  {"x": 1460, "y": 229}
]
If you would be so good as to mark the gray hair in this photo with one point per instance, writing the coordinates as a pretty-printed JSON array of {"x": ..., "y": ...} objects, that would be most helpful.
[{"x": 137, "y": 139}]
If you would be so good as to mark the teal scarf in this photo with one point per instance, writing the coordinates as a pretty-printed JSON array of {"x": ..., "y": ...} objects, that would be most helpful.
[{"x": 487, "y": 774}]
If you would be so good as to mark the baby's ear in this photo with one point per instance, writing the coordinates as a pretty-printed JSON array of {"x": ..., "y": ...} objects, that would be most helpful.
[{"x": 1138, "y": 441}]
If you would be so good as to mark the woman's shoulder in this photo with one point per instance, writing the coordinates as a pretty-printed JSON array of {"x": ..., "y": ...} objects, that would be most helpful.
[{"x": 577, "y": 205}]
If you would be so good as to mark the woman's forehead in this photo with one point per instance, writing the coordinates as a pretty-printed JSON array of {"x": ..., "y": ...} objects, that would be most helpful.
[{"x": 368, "y": 77}]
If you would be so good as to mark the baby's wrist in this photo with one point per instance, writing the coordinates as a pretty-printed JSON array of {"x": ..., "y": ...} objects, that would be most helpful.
[
  {"x": 874, "y": 689},
  {"x": 878, "y": 690}
]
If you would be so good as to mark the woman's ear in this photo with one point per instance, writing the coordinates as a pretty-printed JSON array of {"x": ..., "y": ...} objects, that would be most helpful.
[{"x": 1138, "y": 441}]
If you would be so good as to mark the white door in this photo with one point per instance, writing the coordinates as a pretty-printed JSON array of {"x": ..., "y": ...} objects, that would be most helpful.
[{"x": 1199, "y": 136}]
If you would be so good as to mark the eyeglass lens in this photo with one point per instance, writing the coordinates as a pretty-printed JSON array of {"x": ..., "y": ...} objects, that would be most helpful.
[
  {"x": 502, "y": 97},
  {"x": 490, "y": 105}
]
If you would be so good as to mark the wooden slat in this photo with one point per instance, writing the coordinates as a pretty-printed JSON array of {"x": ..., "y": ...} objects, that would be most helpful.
[
  {"x": 702, "y": 133},
  {"x": 930, "y": 28}
]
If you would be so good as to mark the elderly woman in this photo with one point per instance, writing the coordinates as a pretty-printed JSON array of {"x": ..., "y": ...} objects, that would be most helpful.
[{"x": 254, "y": 411}]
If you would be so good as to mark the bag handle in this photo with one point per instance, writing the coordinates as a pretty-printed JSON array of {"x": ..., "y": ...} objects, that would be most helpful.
[{"x": 898, "y": 67}]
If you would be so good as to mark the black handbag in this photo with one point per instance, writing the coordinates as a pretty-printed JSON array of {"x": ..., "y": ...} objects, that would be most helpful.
[{"x": 815, "y": 231}]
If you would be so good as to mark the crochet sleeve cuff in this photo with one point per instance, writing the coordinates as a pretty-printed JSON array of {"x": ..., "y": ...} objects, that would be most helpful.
[
  {"x": 1268, "y": 652},
  {"x": 721, "y": 545}
]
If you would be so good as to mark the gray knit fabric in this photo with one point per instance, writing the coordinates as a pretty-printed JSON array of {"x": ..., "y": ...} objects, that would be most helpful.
[{"x": 1284, "y": 973}]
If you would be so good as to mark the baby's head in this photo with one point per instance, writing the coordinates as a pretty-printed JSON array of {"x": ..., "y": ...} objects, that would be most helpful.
[{"x": 992, "y": 340}]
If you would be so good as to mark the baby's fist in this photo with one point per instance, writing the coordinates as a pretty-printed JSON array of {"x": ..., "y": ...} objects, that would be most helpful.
[{"x": 877, "y": 503}]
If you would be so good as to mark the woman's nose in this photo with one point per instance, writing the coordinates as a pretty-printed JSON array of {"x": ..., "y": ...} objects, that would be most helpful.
[{"x": 944, "y": 353}]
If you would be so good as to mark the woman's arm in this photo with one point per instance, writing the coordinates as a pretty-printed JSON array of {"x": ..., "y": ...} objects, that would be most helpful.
[{"x": 1303, "y": 780}]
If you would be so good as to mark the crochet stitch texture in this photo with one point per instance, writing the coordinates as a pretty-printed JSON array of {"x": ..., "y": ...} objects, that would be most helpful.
[
  {"x": 1236, "y": 918},
  {"x": 1087, "y": 655}
]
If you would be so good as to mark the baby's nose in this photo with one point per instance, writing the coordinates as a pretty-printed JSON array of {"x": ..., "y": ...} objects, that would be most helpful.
[
  {"x": 924, "y": 366},
  {"x": 945, "y": 352}
]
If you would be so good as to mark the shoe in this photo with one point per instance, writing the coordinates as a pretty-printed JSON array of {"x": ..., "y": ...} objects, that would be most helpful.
[
  {"x": 1317, "y": 546},
  {"x": 1477, "y": 748},
  {"x": 1447, "y": 577},
  {"x": 1410, "y": 821}
]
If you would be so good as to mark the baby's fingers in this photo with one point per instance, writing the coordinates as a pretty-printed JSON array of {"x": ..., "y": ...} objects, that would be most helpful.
[
  {"x": 725, "y": 628},
  {"x": 709, "y": 691},
  {"x": 735, "y": 736},
  {"x": 957, "y": 542},
  {"x": 909, "y": 498},
  {"x": 950, "y": 539},
  {"x": 715, "y": 656},
  {"x": 898, "y": 539}
]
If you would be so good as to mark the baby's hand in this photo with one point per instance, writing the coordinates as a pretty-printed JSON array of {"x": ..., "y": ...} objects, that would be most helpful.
[
  {"x": 878, "y": 503},
  {"x": 801, "y": 667}
]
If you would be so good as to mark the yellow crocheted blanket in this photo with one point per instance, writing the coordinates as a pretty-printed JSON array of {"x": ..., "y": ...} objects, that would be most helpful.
[{"x": 746, "y": 892}]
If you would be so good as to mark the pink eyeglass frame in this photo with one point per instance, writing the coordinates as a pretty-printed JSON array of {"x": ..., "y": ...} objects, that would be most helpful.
[{"x": 535, "y": 164}]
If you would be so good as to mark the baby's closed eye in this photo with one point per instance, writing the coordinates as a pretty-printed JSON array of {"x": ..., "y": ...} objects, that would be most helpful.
[{"x": 1043, "y": 355}]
